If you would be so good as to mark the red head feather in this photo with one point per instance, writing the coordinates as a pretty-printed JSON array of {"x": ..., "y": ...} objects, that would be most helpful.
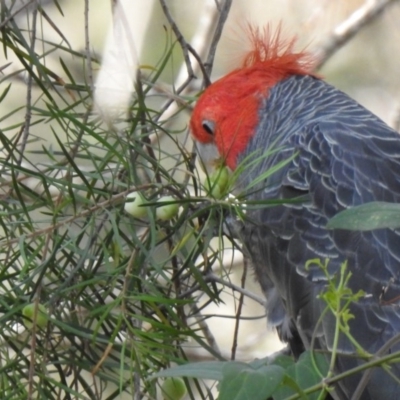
[{"x": 226, "y": 114}]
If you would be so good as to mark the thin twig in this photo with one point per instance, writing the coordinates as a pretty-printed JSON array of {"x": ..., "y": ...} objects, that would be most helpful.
[
  {"x": 28, "y": 113},
  {"x": 25, "y": 135},
  {"x": 179, "y": 37},
  {"x": 206, "y": 77},
  {"x": 205, "y": 329},
  {"x": 143, "y": 126},
  {"x": 223, "y": 15},
  {"x": 87, "y": 47},
  {"x": 239, "y": 312},
  {"x": 214, "y": 278},
  {"x": 198, "y": 49},
  {"x": 344, "y": 32}
]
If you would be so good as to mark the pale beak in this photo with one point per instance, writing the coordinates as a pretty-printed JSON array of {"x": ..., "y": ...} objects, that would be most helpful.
[{"x": 208, "y": 154}]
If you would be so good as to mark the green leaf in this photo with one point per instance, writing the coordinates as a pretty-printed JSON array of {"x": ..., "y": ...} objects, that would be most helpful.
[
  {"x": 308, "y": 371},
  {"x": 242, "y": 382},
  {"x": 284, "y": 361},
  {"x": 201, "y": 370},
  {"x": 368, "y": 216},
  {"x": 239, "y": 381}
]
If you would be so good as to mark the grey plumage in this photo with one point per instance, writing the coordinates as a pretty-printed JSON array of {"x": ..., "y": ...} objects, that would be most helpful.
[{"x": 344, "y": 156}]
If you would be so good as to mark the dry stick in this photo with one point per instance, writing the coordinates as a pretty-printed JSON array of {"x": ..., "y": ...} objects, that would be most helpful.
[
  {"x": 179, "y": 37},
  {"x": 25, "y": 135},
  {"x": 223, "y": 15},
  {"x": 349, "y": 28},
  {"x": 87, "y": 47},
  {"x": 210, "y": 24},
  {"x": 199, "y": 41},
  {"x": 28, "y": 114},
  {"x": 37, "y": 292},
  {"x": 143, "y": 126},
  {"x": 239, "y": 311},
  {"x": 206, "y": 77},
  {"x": 205, "y": 329},
  {"x": 186, "y": 72},
  {"x": 214, "y": 278}
]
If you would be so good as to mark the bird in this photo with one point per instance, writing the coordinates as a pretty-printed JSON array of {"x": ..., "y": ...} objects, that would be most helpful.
[{"x": 305, "y": 151}]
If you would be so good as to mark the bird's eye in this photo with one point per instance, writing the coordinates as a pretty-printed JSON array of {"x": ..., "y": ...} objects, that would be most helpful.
[{"x": 209, "y": 127}]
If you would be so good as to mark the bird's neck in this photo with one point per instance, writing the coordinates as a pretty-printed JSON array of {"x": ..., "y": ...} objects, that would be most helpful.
[{"x": 289, "y": 107}]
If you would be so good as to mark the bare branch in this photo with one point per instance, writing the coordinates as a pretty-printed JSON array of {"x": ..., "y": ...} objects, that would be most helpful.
[
  {"x": 28, "y": 113},
  {"x": 223, "y": 15},
  {"x": 213, "y": 278},
  {"x": 202, "y": 41},
  {"x": 87, "y": 47},
  {"x": 198, "y": 48},
  {"x": 239, "y": 311},
  {"x": 349, "y": 28},
  {"x": 205, "y": 329},
  {"x": 179, "y": 37}
]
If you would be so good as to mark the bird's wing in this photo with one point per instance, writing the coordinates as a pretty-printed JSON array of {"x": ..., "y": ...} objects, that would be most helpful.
[
  {"x": 342, "y": 166},
  {"x": 338, "y": 166}
]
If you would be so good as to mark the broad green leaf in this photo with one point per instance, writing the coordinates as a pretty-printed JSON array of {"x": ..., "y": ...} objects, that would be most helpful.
[
  {"x": 283, "y": 361},
  {"x": 368, "y": 216},
  {"x": 308, "y": 371},
  {"x": 242, "y": 382},
  {"x": 200, "y": 370}
]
